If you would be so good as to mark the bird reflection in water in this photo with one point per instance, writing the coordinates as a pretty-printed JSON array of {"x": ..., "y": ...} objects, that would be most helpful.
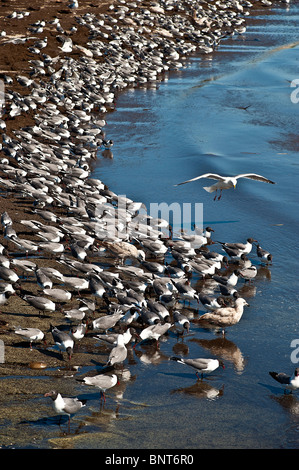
[
  {"x": 288, "y": 401},
  {"x": 201, "y": 389},
  {"x": 107, "y": 154},
  {"x": 150, "y": 354},
  {"x": 225, "y": 349}
]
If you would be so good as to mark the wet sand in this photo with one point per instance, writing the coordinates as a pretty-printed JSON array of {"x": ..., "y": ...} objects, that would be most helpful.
[{"x": 19, "y": 359}]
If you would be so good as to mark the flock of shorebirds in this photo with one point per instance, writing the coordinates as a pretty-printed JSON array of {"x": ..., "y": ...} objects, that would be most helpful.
[
  {"x": 113, "y": 254},
  {"x": 144, "y": 286}
]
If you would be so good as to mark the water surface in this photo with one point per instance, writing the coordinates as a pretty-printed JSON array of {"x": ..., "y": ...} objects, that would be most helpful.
[{"x": 230, "y": 112}]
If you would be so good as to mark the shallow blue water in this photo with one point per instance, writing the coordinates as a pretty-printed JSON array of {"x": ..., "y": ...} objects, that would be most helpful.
[{"x": 195, "y": 122}]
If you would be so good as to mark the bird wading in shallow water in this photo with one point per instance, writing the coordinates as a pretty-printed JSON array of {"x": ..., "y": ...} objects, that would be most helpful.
[
  {"x": 289, "y": 382},
  {"x": 102, "y": 382},
  {"x": 200, "y": 365},
  {"x": 65, "y": 406},
  {"x": 225, "y": 182}
]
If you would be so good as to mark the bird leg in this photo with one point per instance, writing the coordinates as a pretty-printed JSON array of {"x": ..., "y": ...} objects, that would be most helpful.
[
  {"x": 220, "y": 195},
  {"x": 215, "y": 195}
]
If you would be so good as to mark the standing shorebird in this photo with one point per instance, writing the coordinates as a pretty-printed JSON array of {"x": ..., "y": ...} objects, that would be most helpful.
[
  {"x": 102, "y": 382},
  {"x": 200, "y": 365},
  {"x": 65, "y": 406},
  {"x": 290, "y": 382},
  {"x": 30, "y": 334},
  {"x": 63, "y": 340}
]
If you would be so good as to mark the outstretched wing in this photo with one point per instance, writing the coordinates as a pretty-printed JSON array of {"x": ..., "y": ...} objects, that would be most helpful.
[
  {"x": 212, "y": 176},
  {"x": 280, "y": 377},
  {"x": 253, "y": 176}
]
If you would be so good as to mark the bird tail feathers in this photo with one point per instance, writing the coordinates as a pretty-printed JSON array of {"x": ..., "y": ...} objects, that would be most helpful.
[
  {"x": 210, "y": 189},
  {"x": 177, "y": 359}
]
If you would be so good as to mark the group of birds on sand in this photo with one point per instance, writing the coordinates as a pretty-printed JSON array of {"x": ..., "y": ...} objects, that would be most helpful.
[{"x": 143, "y": 293}]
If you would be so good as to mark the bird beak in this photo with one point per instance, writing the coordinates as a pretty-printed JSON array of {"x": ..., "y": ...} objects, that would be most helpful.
[{"x": 234, "y": 186}]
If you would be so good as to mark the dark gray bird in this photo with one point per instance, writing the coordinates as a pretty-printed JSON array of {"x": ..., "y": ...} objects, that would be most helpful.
[
  {"x": 102, "y": 382},
  {"x": 30, "y": 334},
  {"x": 119, "y": 353},
  {"x": 6, "y": 219},
  {"x": 43, "y": 280},
  {"x": 107, "y": 321},
  {"x": 63, "y": 340},
  {"x": 181, "y": 322},
  {"x": 290, "y": 382},
  {"x": 153, "y": 332},
  {"x": 264, "y": 255},
  {"x": 211, "y": 303},
  {"x": 228, "y": 281}
]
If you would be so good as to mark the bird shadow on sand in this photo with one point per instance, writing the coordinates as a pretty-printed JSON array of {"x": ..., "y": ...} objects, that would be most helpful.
[
  {"x": 61, "y": 422},
  {"x": 101, "y": 367}
]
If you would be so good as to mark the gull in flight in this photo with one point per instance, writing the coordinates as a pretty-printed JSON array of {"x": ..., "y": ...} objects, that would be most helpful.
[{"x": 226, "y": 182}]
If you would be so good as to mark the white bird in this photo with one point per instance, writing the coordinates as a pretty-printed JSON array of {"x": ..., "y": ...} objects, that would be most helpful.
[
  {"x": 289, "y": 382},
  {"x": 30, "y": 334},
  {"x": 226, "y": 182},
  {"x": 63, "y": 340},
  {"x": 77, "y": 332},
  {"x": 76, "y": 282},
  {"x": 119, "y": 353},
  {"x": 236, "y": 250},
  {"x": 59, "y": 295},
  {"x": 201, "y": 365},
  {"x": 153, "y": 332},
  {"x": 65, "y": 406},
  {"x": 74, "y": 314},
  {"x": 101, "y": 381}
]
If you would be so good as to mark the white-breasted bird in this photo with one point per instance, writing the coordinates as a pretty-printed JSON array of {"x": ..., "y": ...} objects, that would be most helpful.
[
  {"x": 200, "y": 365},
  {"x": 63, "y": 340},
  {"x": 64, "y": 405},
  {"x": 226, "y": 182},
  {"x": 290, "y": 382},
  {"x": 30, "y": 334},
  {"x": 102, "y": 381}
]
